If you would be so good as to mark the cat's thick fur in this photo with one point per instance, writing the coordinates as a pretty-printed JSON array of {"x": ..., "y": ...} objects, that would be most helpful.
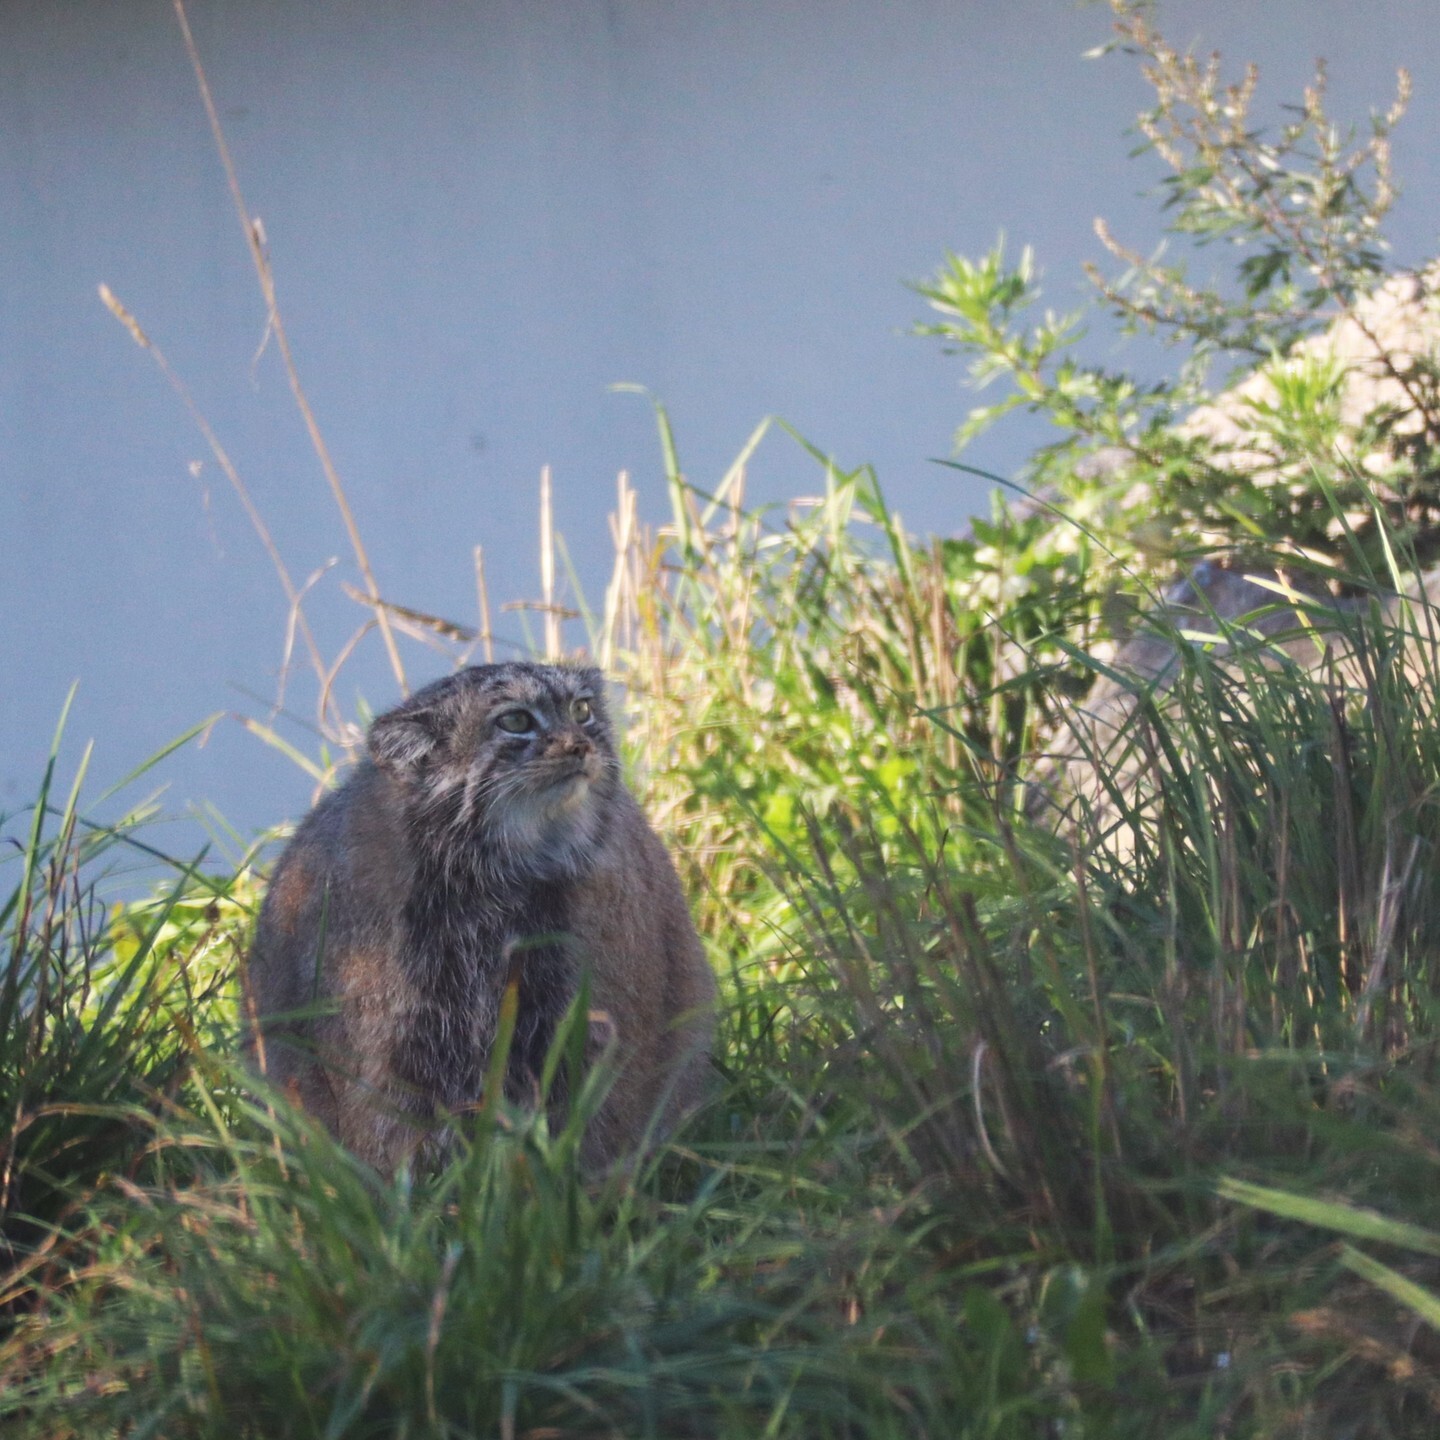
[{"x": 487, "y": 835}]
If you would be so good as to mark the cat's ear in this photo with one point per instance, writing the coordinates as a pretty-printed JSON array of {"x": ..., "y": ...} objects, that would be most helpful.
[{"x": 405, "y": 737}]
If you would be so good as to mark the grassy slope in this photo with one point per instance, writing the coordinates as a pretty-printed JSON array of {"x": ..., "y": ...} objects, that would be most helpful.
[{"x": 992, "y": 1098}]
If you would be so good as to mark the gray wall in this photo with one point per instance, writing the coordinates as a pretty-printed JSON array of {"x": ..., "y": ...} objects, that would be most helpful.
[{"x": 481, "y": 216}]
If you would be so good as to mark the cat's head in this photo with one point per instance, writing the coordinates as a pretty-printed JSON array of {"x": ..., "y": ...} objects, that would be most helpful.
[{"x": 514, "y": 764}]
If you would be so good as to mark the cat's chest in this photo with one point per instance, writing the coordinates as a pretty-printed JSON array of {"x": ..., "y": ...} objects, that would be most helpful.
[{"x": 467, "y": 951}]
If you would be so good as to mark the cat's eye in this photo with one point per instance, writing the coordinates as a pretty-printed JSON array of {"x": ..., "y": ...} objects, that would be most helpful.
[
  {"x": 516, "y": 722},
  {"x": 580, "y": 711}
]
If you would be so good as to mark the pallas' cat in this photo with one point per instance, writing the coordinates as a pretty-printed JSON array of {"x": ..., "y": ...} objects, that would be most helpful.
[{"x": 486, "y": 837}]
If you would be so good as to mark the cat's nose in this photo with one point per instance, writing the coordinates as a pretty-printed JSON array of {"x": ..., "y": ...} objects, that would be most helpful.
[{"x": 571, "y": 742}]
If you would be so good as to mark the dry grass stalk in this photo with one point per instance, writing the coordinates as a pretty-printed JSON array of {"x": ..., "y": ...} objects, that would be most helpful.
[{"x": 275, "y": 325}]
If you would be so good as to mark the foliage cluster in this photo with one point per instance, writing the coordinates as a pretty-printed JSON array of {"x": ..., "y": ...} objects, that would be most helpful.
[{"x": 1302, "y": 211}]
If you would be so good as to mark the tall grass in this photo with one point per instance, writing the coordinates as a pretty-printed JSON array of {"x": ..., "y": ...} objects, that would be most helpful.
[
  {"x": 1005, "y": 1105},
  {"x": 97, "y": 1020}
]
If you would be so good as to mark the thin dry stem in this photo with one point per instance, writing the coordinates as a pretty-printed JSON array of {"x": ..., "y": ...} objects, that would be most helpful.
[
  {"x": 482, "y": 597},
  {"x": 547, "y": 567},
  {"x": 294, "y": 595},
  {"x": 255, "y": 240},
  {"x": 619, "y": 597}
]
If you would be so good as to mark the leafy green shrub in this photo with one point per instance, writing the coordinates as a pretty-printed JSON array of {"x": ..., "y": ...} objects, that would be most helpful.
[{"x": 1302, "y": 213}]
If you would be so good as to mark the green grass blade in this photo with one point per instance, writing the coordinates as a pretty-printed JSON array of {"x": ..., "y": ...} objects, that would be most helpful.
[
  {"x": 1359, "y": 1223},
  {"x": 1425, "y": 1303}
]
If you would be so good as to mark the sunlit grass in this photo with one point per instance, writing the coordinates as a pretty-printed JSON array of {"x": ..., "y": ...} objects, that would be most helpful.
[{"x": 999, "y": 1102}]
